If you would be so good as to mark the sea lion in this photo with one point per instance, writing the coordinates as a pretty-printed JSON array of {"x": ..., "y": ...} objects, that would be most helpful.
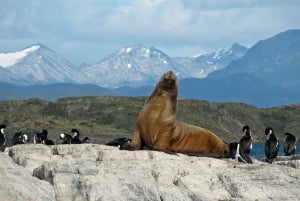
[{"x": 158, "y": 129}]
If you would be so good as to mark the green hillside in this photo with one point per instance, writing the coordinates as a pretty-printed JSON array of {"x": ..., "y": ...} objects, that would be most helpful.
[{"x": 106, "y": 118}]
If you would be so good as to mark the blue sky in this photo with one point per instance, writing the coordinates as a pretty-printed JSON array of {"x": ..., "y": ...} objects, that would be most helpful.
[{"x": 89, "y": 30}]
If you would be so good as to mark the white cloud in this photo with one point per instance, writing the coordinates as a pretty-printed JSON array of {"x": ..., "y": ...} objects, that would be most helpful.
[{"x": 178, "y": 27}]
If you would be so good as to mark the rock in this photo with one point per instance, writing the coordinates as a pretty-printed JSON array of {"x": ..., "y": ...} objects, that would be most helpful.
[
  {"x": 99, "y": 172},
  {"x": 30, "y": 156},
  {"x": 17, "y": 183}
]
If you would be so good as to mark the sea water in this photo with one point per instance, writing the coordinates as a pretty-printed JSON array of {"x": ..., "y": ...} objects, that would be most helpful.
[{"x": 258, "y": 150}]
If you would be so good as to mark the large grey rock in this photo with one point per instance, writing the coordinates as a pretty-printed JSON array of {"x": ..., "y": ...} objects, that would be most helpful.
[
  {"x": 17, "y": 183},
  {"x": 98, "y": 172}
]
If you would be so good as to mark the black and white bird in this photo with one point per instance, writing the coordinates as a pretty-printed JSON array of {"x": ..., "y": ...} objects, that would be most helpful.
[
  {"x": 244, "y": 146},
  {"x": 290, "y": 144},
  {"x": 76, "y": 140},
  {"x": 87, "y": 140},
  {"x": 48, "y": 142},
  {"x": 246, "y": 140},
  {"x": 65, "y": 138},
  {"x": 20, "y": 138},
  {"x": 2, "y": 137},
  {"x": 271, "y": 145},
  {"x": 119, "y": 142},
  {"x": 233, "y": 149},
  {"x": 42, "y": 138},
  {"x": 73, "y": 138},
  {"x": 38, "y": 137}
]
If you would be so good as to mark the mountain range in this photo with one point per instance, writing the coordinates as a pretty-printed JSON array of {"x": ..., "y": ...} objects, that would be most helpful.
[
  {"x": 264, "y": 75},
  {"x": 133, "y": 66}
]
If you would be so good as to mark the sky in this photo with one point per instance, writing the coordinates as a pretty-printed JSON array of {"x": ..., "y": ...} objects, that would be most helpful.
[{"x": 87, "y": 31}]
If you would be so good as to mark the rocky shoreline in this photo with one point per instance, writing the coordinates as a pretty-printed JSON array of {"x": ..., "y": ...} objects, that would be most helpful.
[{"x": 89, "y": 172}]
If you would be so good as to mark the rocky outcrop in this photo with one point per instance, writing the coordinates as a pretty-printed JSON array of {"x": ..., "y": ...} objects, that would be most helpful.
[
  {"x": 89, "y": 172},
  {"x": 17, "y": 183}
]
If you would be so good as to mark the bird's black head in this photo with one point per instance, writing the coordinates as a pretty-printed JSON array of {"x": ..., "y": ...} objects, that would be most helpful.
[
  {"x": 44, "y": 132},
  {"x": 75, "y": 133},
  {"x": 2, "y": 128},
  {"x": 269, "y": 131},
  {"x": 246, "y": 130},
  {"x": 288, "y": 134},
  {"x": 74, "y": 130}
]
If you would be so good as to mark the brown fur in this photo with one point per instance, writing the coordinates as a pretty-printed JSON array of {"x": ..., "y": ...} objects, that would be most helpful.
[{"x": 157, "y": 127}]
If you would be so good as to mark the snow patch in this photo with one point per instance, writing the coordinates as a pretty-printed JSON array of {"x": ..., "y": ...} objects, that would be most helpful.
[
  {"x": 218, "y": 55},
  {"x": 200, "y": 54},
  {"x": 9, "y": 59},
  {"x": 128, "y": 49},
  {"x": 147, "y": 53},
  {"x": 129, "y": 65},
  {"x": 40, "y": 59}
]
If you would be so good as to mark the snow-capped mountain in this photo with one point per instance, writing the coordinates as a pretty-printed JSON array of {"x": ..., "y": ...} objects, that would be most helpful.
[
  {"x": 131, "y": 66},
  {"x": 39, "y": 65},
  {"x": 202, "y": 65},
  {"x": 141, "y": 65}
]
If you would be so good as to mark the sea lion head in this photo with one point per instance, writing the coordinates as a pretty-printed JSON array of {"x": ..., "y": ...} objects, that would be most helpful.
[{"x": 169, "y": 82}]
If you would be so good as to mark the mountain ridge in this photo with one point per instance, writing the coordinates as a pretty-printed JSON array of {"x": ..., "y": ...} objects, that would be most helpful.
[
  {"x": 265, "y": 75},
  {"x": 132, "y": 66}
]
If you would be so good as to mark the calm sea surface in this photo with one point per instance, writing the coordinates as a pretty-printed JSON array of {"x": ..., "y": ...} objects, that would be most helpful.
[{"x": 258, "y": 150}]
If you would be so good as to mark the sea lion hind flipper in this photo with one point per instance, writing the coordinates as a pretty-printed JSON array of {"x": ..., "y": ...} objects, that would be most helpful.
[{"x": 163, "y": 150}]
